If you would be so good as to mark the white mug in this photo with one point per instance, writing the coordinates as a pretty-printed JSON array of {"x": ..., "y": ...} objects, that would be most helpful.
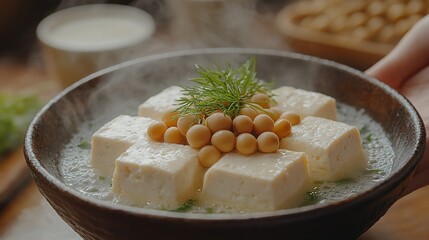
[{"x": 80, "y": 40}]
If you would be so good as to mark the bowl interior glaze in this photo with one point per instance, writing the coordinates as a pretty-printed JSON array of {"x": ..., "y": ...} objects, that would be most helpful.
[{"x": 119, "y": 90}]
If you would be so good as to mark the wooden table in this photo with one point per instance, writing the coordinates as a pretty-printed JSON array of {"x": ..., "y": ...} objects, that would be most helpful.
[{"x": 27, "y": 215}]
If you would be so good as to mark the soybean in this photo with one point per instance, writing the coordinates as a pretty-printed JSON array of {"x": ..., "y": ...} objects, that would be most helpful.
[
  {"x": 242, "y": 124},
  {"x": 263, "y": 123},
  {"x": 268, "y": 142},
  {"x": 223, "y": 140},
  {"x": 246, "y": 144},
  {"x": 208, "y": 155},
  {"x": 156, "y": 130},
  {"x": 218, "y": 121},
  {"x": 198, "y": 136}
]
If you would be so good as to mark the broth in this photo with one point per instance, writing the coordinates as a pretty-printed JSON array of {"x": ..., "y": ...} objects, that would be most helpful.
[{"x": 79, "y": 175}]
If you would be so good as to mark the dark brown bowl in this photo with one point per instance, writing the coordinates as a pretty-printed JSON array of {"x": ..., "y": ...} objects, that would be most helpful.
[{"x": 119, "y": 90}]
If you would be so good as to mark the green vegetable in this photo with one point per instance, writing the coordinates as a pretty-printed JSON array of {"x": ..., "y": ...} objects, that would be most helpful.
[
  {"x": 186, "y": 206},
  {"x": 228, "y": 90},
  {"x": 16, "y": 113}
]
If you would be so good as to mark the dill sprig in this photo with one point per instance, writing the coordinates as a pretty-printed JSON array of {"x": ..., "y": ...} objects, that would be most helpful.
[{"x": 227, "y": 90}]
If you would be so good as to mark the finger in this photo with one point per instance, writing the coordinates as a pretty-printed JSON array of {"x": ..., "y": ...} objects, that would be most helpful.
[
  {"x": 416, "y": 89},
  {"x": 406, "y": 59}
]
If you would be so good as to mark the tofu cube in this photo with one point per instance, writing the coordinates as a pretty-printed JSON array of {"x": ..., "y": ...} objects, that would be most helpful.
[
  {"x": 261, "y": 181},
  {"x": 305, "y": 103},
  {"x": 157, "y": 173},
  {"x": 158, "y": 104},
  {"x": 334, "y": 149},
  {"x": 114, "y": 138}
]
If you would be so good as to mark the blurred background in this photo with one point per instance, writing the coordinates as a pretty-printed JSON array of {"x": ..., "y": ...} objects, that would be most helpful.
[
  {"x": 354, "y": 32},
  {"x": 354, "y": 26},
  {"x": 19, "y": 19}
]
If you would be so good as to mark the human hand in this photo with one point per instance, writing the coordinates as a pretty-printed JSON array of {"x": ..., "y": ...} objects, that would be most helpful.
[{"x": 406, "y": 68}]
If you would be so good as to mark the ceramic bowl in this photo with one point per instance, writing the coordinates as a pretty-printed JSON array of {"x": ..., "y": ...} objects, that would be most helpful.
[{"x": 119, "y": 90}]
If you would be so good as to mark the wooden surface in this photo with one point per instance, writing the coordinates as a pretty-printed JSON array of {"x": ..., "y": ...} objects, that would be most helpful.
[
  {"x": 407, "y": 219},
  {"x": 26, "y": 215},
  {"x": 22, "y": 79},
  {"x": 13, "y": 174}
]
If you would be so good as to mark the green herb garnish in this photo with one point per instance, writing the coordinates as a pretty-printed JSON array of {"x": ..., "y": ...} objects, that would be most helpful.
[
  {"x": 16, "y": 113},
  {"x": 84, "y": 144},
  {"x": 227, "y": 90},
  {"x": 364, "y": 130},
  {"x": 186, "y": 206},
  {"x": 101, "y": 178},
  {"x": 313, "y": 196},
  {"x": 209, "y": 210},
  {"x": 368, "y": 139},
  {"x": 345, "y": 181}
]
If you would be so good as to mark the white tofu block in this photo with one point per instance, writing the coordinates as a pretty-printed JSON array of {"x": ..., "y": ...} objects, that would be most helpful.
[
  {"x": 158, "y": 104},
  {"x": 261, "y": 181},
  {"x": 114, "y": 138},
  {"x": 305, "y": 103},
  {"x": 157, "y": 173},
  {"x": 334, "y": 149}
]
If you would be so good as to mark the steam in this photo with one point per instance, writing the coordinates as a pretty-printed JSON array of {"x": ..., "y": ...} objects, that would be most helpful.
[
  {"x": 190, "y": 24},
  {"x": 219, "y": 23},
  {"x": 180, "y": 25}
]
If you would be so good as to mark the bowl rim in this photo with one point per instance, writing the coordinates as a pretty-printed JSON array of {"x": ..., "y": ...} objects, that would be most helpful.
[{"x": 320, "y": 209}]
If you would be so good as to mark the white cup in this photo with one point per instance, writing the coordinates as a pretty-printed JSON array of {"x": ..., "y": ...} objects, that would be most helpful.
[{"x": 80, "y": 40}]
